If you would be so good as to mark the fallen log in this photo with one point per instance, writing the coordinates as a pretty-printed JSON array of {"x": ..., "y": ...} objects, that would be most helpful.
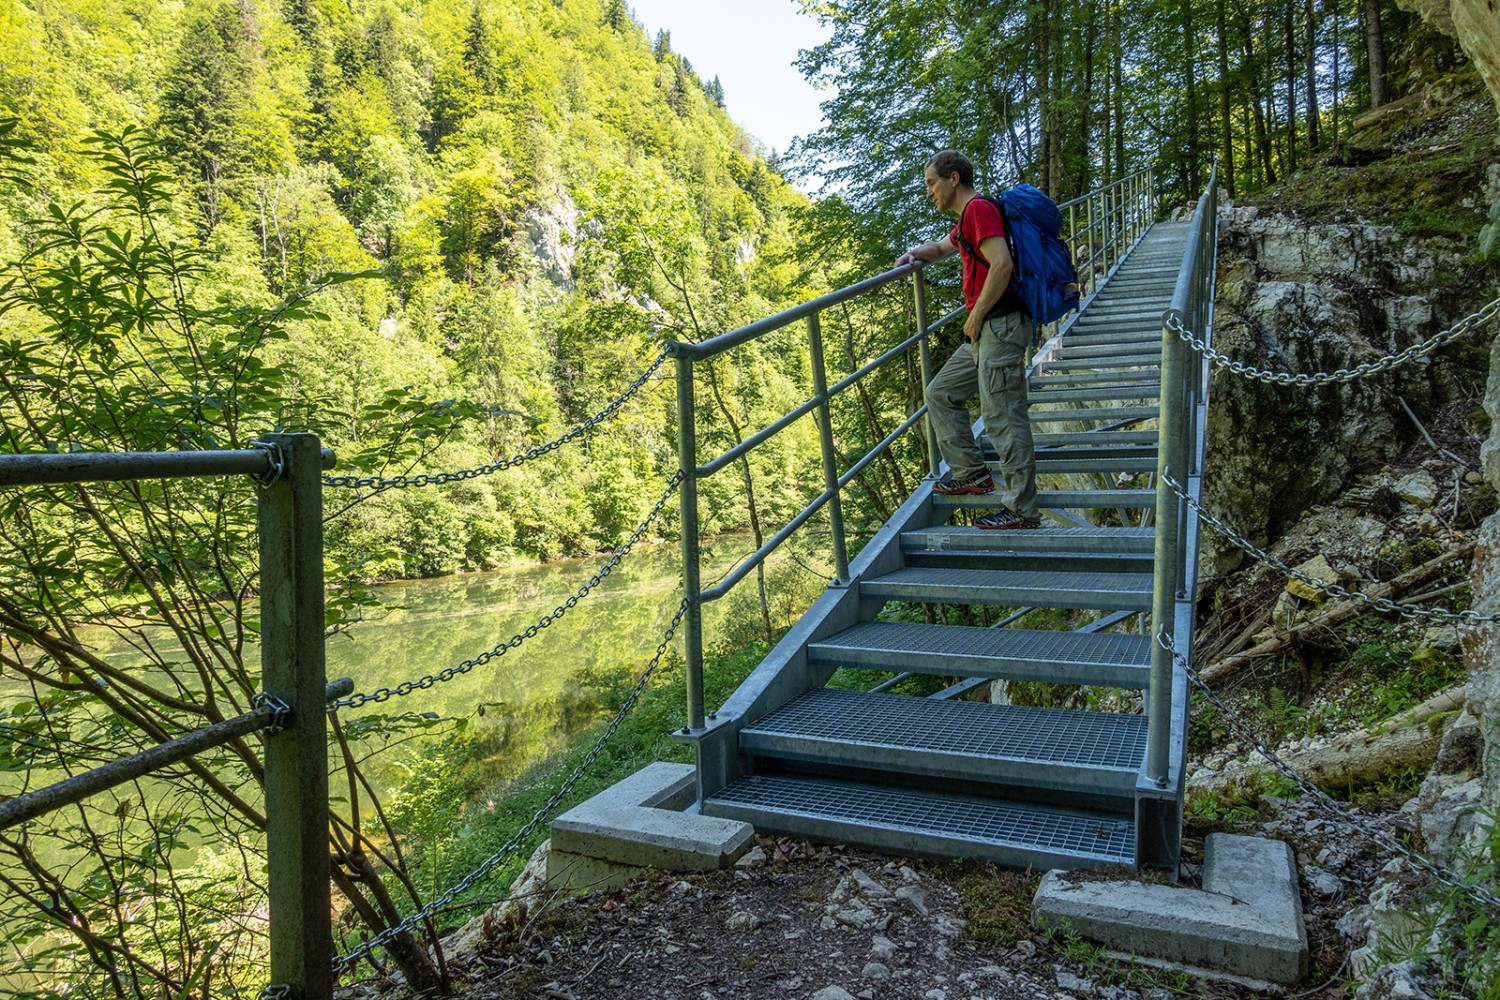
[
  {"x": 1336, "y": 613},
  {"x": 1363, "y": 758}
]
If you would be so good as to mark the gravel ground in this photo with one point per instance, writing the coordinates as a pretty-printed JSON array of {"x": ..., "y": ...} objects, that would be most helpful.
[{"x": 828, "y": 923}]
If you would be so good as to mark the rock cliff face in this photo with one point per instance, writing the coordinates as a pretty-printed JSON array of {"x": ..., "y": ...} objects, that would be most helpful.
[
  {"x": 1476, "y": 25},
  {"x": 1316, "y": 298}
]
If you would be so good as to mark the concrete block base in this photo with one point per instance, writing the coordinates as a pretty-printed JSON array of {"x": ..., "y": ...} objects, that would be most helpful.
[
  {"x": 639, "y": 823},
  {"x": 1244, "y": 924}
]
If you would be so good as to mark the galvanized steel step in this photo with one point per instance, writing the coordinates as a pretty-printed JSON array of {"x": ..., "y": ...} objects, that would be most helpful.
[
  {"x": 1070, "y": 561},
  {"x": 913, "y": 822},
  {"x": 1089, "y": 439},
  {"x": 1090, "y": 753},
  {"x": 1046, "y": 539},
  {"x": 1092, "y": 413},
  {"x": 1104, "y": 591},
  {"x": 1065, "y": 363},
  {"x": 1062, "y": 499},
  {"x": 1128, "y": 375},
  {"x": 1143, "y": 390},
  {"x": 1102, "y": 659}
]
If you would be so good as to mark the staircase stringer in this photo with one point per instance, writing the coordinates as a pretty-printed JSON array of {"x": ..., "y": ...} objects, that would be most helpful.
[{"x": 785, "y": 673}]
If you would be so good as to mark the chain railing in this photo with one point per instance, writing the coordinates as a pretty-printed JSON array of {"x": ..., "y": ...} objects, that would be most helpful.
[
  {"x": 1462, "y": 328},
  {"x": 1323, "y": 800},
  {"x": 343, "y": 963},
  {"x": 1382, "y": 604},
  {"x": 448, "y": 673},
  {"x": 402, "y": 482}
]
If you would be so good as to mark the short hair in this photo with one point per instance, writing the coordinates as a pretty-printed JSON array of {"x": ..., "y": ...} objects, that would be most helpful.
[{"x": 951, "y": 161}]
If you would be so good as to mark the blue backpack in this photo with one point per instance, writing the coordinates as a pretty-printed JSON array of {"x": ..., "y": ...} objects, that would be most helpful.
[{"x": 1044, "y": 274}]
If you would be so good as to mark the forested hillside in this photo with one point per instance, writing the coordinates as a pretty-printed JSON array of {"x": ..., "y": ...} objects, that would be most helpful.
[{"x": 542, "y": 192}]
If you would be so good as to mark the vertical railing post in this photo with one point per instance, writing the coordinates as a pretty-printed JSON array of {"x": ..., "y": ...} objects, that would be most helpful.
[
  {"x": 830, "y": 457},
  {"x": 1093, "y": 249},
  {"x": 293, "y": 672},
  {"x": 687, "y": 454},
  {"x": 1164, "y": 588},
  {"x": 925, "y": 350}
]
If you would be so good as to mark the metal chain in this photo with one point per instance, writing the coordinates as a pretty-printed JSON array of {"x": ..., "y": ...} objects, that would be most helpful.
[
  {"x": 401, "y": 482},
  {"x": 276, "y": 991},
  {"x": 1332, "y": 589},
  {"x": 448, "y": 673},
  {"x": 1320, "y": 797},
  {"x": 1417, "y": 350},
  {"x": 344, "y": 963}
]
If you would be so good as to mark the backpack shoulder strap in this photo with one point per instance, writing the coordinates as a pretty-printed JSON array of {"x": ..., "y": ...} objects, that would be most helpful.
[{"x": 970, "y": 248}]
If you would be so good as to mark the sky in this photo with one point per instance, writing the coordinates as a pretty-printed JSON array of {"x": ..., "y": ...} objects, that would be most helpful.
[{"x": 750, "y": 46}]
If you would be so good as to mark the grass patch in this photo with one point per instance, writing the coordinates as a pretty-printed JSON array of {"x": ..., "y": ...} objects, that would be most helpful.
[{"x": 996, "y": 901}]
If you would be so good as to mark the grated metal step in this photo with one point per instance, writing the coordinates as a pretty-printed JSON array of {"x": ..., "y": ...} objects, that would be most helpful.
[
  {"x": 1143, "y": 390},
  {"x": 1040, "y": 414},
  {"x": 1048, "y": 539},
  {"x": 1090, "y": 753},
  {"x": 1100, "y": 362},
  {"x": 912, "y": 822},
  {"x": 1093, "y": 439},
  {"x": 1103, "y": 659},
  {"x": 1063, "y": 500},
  {"x": 1142, "y": 373},
  {"x": 1072, "y": 561},
  {"x": 1105, "y": 591}
]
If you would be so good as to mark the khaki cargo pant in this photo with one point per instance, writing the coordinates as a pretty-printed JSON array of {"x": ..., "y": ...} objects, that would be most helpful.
[{"x": 995, "y": 370}]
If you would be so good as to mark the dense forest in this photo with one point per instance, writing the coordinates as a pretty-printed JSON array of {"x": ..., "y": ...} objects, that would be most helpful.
[{"x": 440, "y": 235}]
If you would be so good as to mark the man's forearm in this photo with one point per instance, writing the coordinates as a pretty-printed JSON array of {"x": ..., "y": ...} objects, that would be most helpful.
[{"x": 929, "y": 252}]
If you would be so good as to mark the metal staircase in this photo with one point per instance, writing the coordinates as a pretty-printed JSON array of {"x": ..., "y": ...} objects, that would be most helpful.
[{"x": 1027, "y": 787}]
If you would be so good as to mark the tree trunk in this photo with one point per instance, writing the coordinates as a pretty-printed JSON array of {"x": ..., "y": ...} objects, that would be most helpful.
[
  {"x": 1358, "y": 759},
  {"x": 1226, "y": 106},
  {"x": 1190, "y": 52},
  {"x": 1338, "y": 612},
  {"x": 1375, "y": 49},
  {"x": 1289, "y": 24},
  {"x": 1310, "y": 66}
]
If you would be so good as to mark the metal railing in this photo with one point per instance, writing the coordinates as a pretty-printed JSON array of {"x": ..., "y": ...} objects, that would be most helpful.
[
  {"x": 687, "y": 356},
  {"x": 1103, "y": 225},
  {"x": 1100, "y": 227},
  {"x": 290, "y": 709},
  {"x": 1182, "y": 436}
]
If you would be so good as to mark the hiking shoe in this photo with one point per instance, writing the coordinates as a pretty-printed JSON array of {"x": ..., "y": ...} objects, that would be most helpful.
[
  {"x": 1004, "y": 519},
  {"x": 953, "y": 486}
]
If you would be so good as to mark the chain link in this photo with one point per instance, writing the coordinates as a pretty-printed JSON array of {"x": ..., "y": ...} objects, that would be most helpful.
[
  {"x": 401, "y": 482},
  {"x": 276, "y": 991},
  {"x": 448, "y": 673},
  {"x": 1382, "y": 604},
  {"x": 344, "y": 963},
  {"x": 1320, "y": 797},
  {"x": 1417, "y": 350}
]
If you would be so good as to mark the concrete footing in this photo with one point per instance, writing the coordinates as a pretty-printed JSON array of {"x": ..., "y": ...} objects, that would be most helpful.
[
  {"x": 1244, "y": 924},
  {"x": 639, "y": 823}
]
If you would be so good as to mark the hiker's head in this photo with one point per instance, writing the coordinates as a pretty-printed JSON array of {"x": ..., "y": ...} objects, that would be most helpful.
[
  {"x": 950, "y": 162},
  {"x": 947, "y": 175}
]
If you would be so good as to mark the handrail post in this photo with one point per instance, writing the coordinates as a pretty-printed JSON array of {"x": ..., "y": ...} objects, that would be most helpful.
[
  {"x": 1164, "y": 586},
  {"x": 687, "y": 454},
  {"x": 1093, "y": 272},
  {"x": 830, "y": 456},
  {"x": 293, "y": 670},
  {"x": 925, "y": 351}
]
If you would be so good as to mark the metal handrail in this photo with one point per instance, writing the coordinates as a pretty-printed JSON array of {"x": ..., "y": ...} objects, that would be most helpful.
[
  {"x": 1125, "y": 209},
  {"x": 1181, "y": 445},
  {"x": 287, "y": 469}
]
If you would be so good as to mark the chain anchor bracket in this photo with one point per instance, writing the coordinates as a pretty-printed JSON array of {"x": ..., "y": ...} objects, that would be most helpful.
[
  {"x": 279, "y": 711},
  {"x": 278, "y": 458}
]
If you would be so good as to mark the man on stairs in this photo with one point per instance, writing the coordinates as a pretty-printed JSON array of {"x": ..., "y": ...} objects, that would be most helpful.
[{"x": 991, "y": 360}]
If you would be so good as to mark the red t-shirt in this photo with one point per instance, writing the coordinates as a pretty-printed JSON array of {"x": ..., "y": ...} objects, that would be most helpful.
[{"x": 980, "y": 220}]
